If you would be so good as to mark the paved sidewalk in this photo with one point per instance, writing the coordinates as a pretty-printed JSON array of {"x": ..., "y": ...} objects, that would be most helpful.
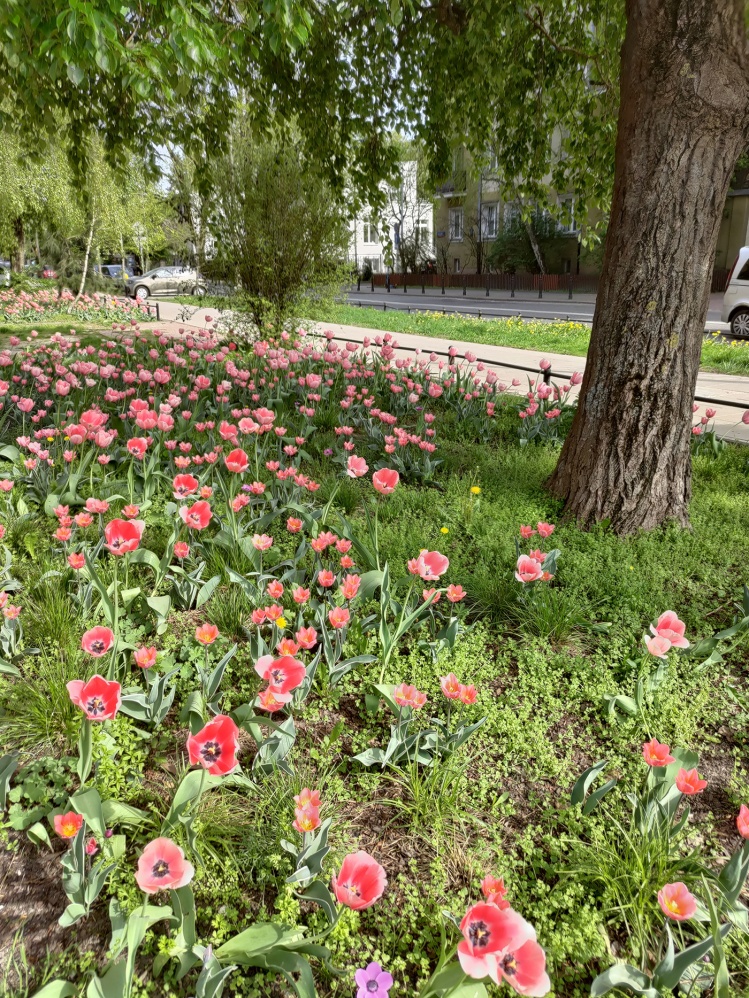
[{"x": 506, "y": 360}]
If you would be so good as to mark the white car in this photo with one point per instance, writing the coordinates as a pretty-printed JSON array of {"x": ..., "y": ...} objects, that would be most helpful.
[{"x": 736, "y": 298}]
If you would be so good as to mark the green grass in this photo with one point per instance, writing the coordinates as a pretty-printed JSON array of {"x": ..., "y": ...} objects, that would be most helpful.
[
  {"x": 542, "y": 673},
  {"x": 558, "y": 337},
  {"x": 48, "y": 326}
]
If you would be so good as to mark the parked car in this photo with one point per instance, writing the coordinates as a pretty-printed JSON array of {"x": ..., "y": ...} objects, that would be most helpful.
[
  {"x": 736, "y": 298},
  {"x": 112, "y": 271},
  {"x": 4, "y": 273},
  {"x": 164, "y": 281}
]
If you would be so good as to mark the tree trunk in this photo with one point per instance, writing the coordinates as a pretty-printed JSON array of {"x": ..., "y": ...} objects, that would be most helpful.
[
  {"x": 18, "y": 256},
  {"x": 534, "y": 246},
  {"x": 86, "y": 256},
  {"x": 683, "y": 122}
]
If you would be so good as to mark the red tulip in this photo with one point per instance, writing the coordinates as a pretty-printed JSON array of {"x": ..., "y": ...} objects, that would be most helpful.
[
  {"x": 502, "y": 945},
  {"x": 215, "y": 746},
  {"x": 97, "y": 641},
  {"x": 123, "y": 535},
  {"x": 162, "y": 866},
  {"x": 237, "y": 461},
  {"x": 282, "y": 674},
  {"x": 184, "y": 485},
  {"x": 206, "y": 634},
  {"x": 742, "y": 821},
  {"x": 68, "y": 825},
  {"x": 656, "y": 753},
  {"x": 385, "y": 480},
  {"x": 361, "y": 881},
  {"x": 689, "y": 782},
  {"x": 677, "y": 902},
  {"x": 99, "y": 699},
  {"x": 197, "y": 516}
]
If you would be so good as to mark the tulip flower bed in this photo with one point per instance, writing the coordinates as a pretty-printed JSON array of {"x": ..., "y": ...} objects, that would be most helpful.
[
  {"x": 304, "y": 691},
  {"x": 46, "y": 305}
]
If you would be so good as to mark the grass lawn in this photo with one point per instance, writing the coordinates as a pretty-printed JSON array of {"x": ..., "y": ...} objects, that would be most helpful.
[
  {"x": 557, "y": 666},
  {"x": 559, "y": 337}
]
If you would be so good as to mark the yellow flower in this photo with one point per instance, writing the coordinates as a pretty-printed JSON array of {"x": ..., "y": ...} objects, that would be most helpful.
[
  {"x": 475, "y": 490},
  {"x": 281, "y": 622},
  {"x": 444, "y": 530},
  {"x": 50, "y": 439}
]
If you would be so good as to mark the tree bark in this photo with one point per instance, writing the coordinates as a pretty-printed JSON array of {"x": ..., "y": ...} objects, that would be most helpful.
[
  {"x": 18, "y": 256},
  {"x": 683, "y": 122},
  {"x": 84, "y": 272}
]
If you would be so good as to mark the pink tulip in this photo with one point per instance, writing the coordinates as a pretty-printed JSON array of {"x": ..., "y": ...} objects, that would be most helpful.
[
  {"x": 356, "y": 467},
  {"x": 658, "y": 646},
  {"x": 656, "y": 753},
  {"x": 528, "y": 569},
  {"x": 669, "y": 626},
  {"x": 677, "y": 902},
  {"x": 385, "y": 480},
  {"x": 162, "y": 865},
  {"x": 689, "y": 782},
  {"x": 742, "y": 821},
  {"x": 361, "y": 881}
]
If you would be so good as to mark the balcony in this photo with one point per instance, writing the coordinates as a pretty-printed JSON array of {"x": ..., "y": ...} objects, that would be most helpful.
[{"x": 453, "y": 186}]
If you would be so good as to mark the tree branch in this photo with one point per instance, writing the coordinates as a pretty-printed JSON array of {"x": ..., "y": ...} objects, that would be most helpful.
[{"x": 538, "y": 22}]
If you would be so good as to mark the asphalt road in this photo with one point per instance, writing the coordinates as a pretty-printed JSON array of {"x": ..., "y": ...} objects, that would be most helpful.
[{"x": 498, "y": 305}]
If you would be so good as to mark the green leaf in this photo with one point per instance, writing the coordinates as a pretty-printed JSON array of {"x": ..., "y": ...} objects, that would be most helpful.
[
  {"x": 318, "y": 892},
  {"x": 452, "y": 981},
  {"x": 142, "y": 556},
  {"x": 733, "y": 875},
  {"x": 585, "y": 780},
  {"x": 258, "y": 938},
  {"x": 624, "y": 977},
  {"x": 39, "y": 834},
  {"x": 597, "y": 796},
  {"x": 88, "y": 804},
  {"x": 56, "y": 989},
  {"x": 669, "y": 972},
  {"x": 294, "y": 967},
  {"x": 8, "y": 765},
  {"x": 85, "y": 750},
  {"x": 117, "y": 813},
  {"x": 207, "y": 591}
]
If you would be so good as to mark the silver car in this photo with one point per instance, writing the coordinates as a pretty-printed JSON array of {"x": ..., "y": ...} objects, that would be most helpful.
[
  {"x": 164, "y": 281},
  {"x": 736, "y": 299}
]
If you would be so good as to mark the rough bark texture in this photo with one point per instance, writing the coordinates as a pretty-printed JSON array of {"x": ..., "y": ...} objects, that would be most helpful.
[
  {"x": 18, "y": 256},
  {"x": 683, "y": 122}
]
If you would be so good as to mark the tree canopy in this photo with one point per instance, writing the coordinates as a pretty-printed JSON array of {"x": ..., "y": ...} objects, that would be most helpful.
[{"x": 493, "y": 73}]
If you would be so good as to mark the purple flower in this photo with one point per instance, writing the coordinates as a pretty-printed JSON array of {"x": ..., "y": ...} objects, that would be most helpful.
[
  {"x": 373, "y": 981},
  {"x": 246, "y": 488},
  {"x": 328, "y": 452}
]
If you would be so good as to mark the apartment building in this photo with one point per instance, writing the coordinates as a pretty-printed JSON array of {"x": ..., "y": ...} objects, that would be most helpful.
[
  {"x": 472, "y": 209},
  {"x": 399, "y": 238}
]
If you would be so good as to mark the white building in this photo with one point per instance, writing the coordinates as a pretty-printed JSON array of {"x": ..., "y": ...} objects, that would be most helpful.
[{"x": 402, "y": 237}]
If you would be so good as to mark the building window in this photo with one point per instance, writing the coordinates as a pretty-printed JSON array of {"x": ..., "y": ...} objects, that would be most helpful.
[
  {"x": 370, "y": 231},
  {"x": 456, "y": 224},
  {"x": 491, "y": 156},
  {"x": 456, "y": 265},
  {"x": 421, "y": 231},
  {"x": 489, "y": 221},
  {"x": 567, "y": 223},
  {"x": 512, "y": 215}
]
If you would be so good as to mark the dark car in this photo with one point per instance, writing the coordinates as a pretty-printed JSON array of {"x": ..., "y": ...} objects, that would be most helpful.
[{"x": 111, "y": 271}]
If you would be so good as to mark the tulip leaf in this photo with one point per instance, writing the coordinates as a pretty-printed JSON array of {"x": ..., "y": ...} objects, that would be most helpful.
[
  {"x": 56, "y": 989},
  {"x": 585, "y": 781},
  {"x": 206, "y": 591},
  {"x": 88, "y": 804},
  {"x": 258, "y": 938},
  {"x": 733, "y": 875},
  {"x": 292, "y": 966},
  {"x": 624, "y": 977},
  {"x": 8, "y": 765},
  {"x": 452, "y": 981},
  {"x": 597, "y": 796},
  {"x": 669, "y": 972},
  {"x": 318, "y": 892}
]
